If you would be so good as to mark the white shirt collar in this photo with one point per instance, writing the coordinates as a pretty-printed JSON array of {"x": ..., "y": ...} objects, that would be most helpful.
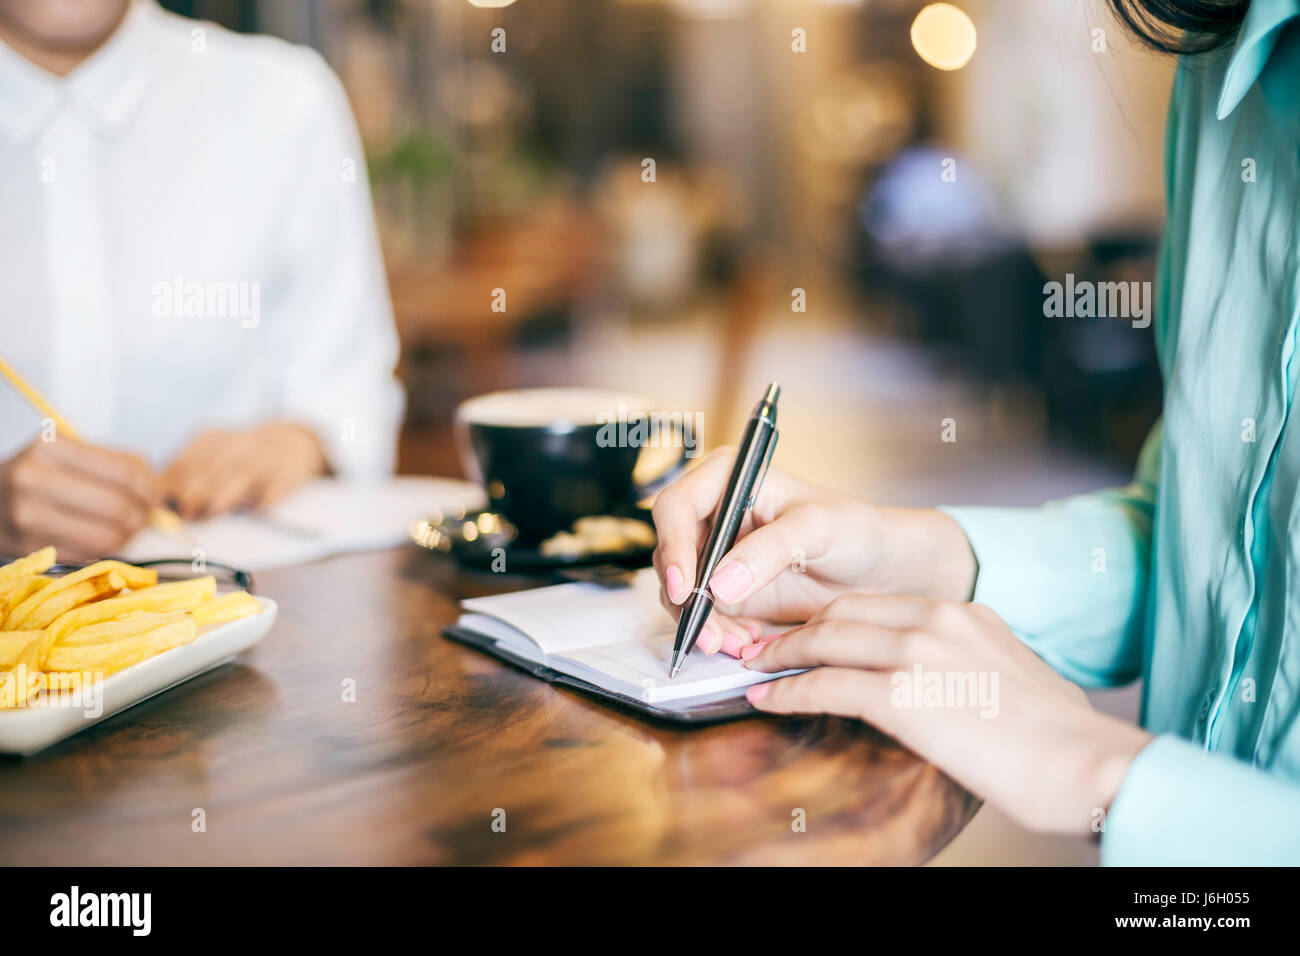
[{"x": 107, "y": 89}]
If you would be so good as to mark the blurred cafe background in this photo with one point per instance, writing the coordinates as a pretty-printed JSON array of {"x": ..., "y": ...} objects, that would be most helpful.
[{"x": 833, "y": 206}]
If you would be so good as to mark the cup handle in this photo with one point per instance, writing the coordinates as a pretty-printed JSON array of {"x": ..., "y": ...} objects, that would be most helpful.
[{"x": 669, "y": 474}]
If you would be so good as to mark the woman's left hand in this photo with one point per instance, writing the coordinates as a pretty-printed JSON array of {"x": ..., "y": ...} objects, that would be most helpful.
[
  {"x": 953, "y": 683},
  {"x": 224, "y": 470}
]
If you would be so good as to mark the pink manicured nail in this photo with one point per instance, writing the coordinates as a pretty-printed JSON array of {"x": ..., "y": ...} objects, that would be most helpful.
[
  {"x": 709, "y": 640},
  {"x": 730, "y": 582},
  {"x": 749, "y": 653},
  {"x": 732, "y": 644},
  {"x": 757, "y": 693},
  {"x": 673, "y": 578},
  {"x": 755, "y": 631}
]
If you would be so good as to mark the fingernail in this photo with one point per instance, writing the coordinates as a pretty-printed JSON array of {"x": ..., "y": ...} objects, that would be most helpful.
[
  {"x": 756, "y": 693},
  {"x": 755, "y": 631},
  {"x": 749, "y": 653},
  {"x": 673, "y": 578},
  {"x": 730, "y": 582},
  {"x": 732, "y": 644}
]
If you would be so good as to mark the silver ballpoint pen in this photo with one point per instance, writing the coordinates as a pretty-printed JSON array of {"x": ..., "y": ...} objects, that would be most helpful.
[{"x": 752, "y": 460}]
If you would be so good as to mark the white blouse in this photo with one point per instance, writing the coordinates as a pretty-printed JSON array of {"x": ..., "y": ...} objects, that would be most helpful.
[{"x": 187, "y": 241}]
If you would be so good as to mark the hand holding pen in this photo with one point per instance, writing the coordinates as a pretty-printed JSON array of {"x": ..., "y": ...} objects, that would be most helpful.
[
  {"x": 799, "y": 548},
  {"x": 753, "y": 457}
]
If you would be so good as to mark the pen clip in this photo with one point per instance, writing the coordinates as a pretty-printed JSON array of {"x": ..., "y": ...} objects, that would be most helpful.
[{"x": 767, "y": 461}]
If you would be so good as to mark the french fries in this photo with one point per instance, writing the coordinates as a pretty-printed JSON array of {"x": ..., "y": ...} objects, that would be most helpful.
[
  {"x": 19, "y": 591},
  {"x": 13, "y": 643},
  {"x": 57, "y": 631},
  {"x": 117, "y": 629},
  {"x": 104, "y": 573},
  {"x": 38, "y": 562},
  {"x": 228, "y": 607},
  {"x": 48, "y": 609},
  {"x": 113, "y": 656},
  {"x": 173, "y": 596}
]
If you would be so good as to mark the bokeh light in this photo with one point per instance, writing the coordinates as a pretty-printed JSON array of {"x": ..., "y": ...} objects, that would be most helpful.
[{"x": 943, "y": 36}]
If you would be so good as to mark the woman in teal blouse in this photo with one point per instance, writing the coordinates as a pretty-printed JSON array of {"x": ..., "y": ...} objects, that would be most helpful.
[{"x": 1182, "y": 578}]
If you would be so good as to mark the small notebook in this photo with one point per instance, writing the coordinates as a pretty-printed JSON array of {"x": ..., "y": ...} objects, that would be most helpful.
[
  {"x": 323, "y": 517},
  {"x": 611, "y": 642}
]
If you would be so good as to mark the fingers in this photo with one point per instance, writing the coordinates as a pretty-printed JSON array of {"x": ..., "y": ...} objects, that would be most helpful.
[
  {"x": 76, "y": 492},
  {"x": 723, "y": 633},
  {"x": 196, "y": 496},
  {"x": 768, "y": 551},
  {"x": 682, "y": 515},
  {"x": 711, "y": 639},
  {"x": 225, "y": 489},
  {"x": 288, "y": 454},
  {"x": 85, "y": 500},
  {"x": 737, "y": 633},
  {"x": 129, "y": 475},
  {"x": 826, "y": 690},
  {"x": 77, "y": 534},
  {"x": 866, "y": 630},
  {"x": 679, "y": 513},
  {"x": 101, "y": 504},
  {"x": 885, "y": 610},
  {"x": 832, "y": 643},
  {"x": 727, "y": 635},
  {"x": 217, "y": 473},
  {"x": 188, "y": 481},
  {"x": 656, "y": 559},
  {"x": 192, "y": 459},
  {"x": 221, "y": 471}
]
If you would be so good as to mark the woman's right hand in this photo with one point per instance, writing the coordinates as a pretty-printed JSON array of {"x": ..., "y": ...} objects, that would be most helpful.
[
  {"x": 84, "y": 500},
  {"x": 799, "y": 548}
]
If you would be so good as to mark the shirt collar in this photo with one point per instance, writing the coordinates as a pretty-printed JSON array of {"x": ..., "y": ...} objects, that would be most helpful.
[
  {"x": 106, "y": 89},
  {"x": 1255, "y": 41}
]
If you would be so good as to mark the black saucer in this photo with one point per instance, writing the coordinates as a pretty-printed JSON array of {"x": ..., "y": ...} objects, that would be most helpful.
[{"x": 472, "y": 541}]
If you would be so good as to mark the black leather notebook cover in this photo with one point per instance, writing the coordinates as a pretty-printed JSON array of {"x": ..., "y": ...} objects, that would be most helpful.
[{"x": 713, "y": 712}]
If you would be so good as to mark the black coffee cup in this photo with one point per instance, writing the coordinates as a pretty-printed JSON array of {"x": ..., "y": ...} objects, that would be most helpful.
[{"x": 548, "y": 456}]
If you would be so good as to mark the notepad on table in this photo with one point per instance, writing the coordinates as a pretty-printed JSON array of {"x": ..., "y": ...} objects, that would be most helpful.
[
  {"x": 322, "y": 517},
  {"x": 613, "y": 642}
]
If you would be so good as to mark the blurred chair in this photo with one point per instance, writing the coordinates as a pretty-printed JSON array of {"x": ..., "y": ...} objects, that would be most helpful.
[{"x": 958, "y": 277}]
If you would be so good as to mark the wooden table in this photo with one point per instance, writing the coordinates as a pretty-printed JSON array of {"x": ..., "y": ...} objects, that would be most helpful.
[{"x": 440, "y": 742}]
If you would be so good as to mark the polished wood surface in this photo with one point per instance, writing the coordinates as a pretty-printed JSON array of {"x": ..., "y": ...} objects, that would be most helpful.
[{"x": 440, "y": 742}]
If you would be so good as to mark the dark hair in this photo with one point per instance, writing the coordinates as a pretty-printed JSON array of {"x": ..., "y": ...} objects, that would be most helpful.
[{"x": 1182, "y": 26}]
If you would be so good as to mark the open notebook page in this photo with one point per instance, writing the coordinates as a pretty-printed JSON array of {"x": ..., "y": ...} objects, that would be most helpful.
[
  {"x": 566, "y": 617},
  {"x": 617, "y": 638},
  {"x": 321, "y": 517}
]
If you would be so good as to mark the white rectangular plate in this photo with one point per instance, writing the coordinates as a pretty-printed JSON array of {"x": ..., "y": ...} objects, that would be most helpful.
[{"x": 25, "y": 730}]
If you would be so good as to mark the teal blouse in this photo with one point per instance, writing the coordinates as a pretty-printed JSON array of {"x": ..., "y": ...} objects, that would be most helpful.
[{"x": 1190, "y": 576}]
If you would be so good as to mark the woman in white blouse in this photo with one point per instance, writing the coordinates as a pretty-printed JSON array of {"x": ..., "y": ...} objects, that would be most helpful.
[{"x": 189, "y": 272}]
